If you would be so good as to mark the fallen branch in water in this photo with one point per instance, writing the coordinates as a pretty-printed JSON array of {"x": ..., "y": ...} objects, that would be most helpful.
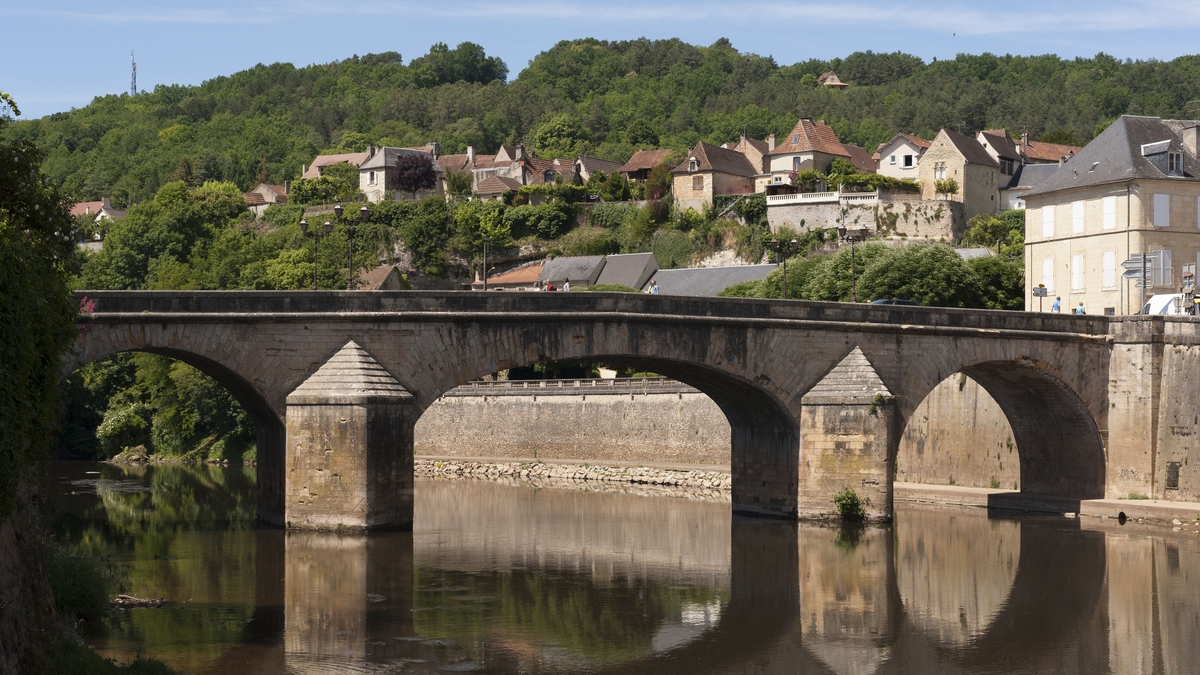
[{"x": 130, "y": 602}]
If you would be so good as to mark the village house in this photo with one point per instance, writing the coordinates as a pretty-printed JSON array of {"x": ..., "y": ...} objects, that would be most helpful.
[
  {"x": 709, "y": 170},
  {"x": 1134, "y": 189},
  {"x": 953, "y": 156},
  {"x": 638, "y": 168},
  {"x": 322, "y": 162},
  {"x": 376, "y": 174},
  {"x": 1026, "y": 177},
  {"x": 264, "y": 195},
  {"x": 522, "y": 278},
  {"x": 898, "y": 158},
  {"x": 494, "y": 187},
  {"x": 585, "y": 166},
  {"x": 101, "y": 210},
  {"x": 515, "y": 163},
  {"x": 1039, "y": 152},
  {"x": 830, "y": 80},
  {"x": 861, "y": 159},
  {"x": 810, "y": 145}
]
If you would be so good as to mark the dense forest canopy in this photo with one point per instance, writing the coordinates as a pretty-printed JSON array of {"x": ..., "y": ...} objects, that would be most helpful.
[{"x": 610, "y": 98}]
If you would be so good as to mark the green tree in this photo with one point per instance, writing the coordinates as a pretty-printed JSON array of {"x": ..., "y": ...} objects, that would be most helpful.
[
  {"x": 561, "y": 135},
  {"x": 931, "y": 274}
]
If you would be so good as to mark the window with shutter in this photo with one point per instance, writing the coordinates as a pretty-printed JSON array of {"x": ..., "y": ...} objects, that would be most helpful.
[
  {"x": 1048, "y": 274},
  {"x": 1110, "y": 269},
  {"x": 1162, "y": 210},
  {"x": 1077, "y": 272},
  {"x": 1110, "y": 212},
  {"x": 1162, "y": 269},
  {"x": 1047, "y": 221},
  {"x": 1078, "y": 214},
  {"x": 698, "y": 183}
]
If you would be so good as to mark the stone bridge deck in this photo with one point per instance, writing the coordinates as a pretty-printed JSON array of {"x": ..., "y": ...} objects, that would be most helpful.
[{"x": 1084, "y": 394}]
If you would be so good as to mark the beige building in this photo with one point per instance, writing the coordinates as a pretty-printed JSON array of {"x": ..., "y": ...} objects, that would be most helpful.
[
  {"x": 961, "y": 158},
  {"x": 710, "y": 170},
  {"x": 810, "y": 145},
  {"x": 1135, "y": 188},
  {"x": 899, "y": 157}
]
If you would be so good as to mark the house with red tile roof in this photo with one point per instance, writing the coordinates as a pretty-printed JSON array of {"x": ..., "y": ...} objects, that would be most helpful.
[
  {"x": 900, "y": 156},
  {"x": 523, "y": 278},
  {"x": 830, "y": 80},
  {"x": 263, "y": 196},
  {"x": 810, "y": 145},
  {"x": 322, "y": 162},
  {"x": 1038, "y": 152},
  {"x": 860, "y": 158},
  {"x": 709, "y": 170},
  {"x": 638, "y": 168},
  {"x": 100, "y": 210}
]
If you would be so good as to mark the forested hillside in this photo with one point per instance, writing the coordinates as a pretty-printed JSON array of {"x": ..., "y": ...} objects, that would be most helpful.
[{"x": 605, "y": 98}]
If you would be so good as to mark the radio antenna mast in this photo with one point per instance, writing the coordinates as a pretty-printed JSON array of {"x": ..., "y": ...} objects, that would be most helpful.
[{"x": 132, "y": 76}]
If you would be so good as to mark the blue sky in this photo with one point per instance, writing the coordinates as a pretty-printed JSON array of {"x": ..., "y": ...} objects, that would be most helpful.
[{"x": 59, "y": 54}]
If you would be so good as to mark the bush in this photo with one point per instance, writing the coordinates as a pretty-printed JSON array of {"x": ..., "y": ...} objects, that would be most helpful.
[
  {"x": 81, "y": 589},
  {"x": 849, "y": 506},
  {"x": 611, "y": 216},
  {"x": 948, "y": 186},
  {"x": 672, "y": 249},
  {"x": 124, "y": 426},
  {"x": 612, "y": 288},
  {"x": 931, "y": 274},
  {"x": 546, "y": 221}
]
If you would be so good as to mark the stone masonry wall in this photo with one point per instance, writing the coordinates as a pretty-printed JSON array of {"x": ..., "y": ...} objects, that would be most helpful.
[
  {"x": 893, "y": 217},
  {"x": 681, "y": 427}
]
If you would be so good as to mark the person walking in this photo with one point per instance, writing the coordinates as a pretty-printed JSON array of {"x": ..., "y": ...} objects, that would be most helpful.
[
  {"x": 653, "y": 287},
  {"x": 1080, "y": 309},
  {"x": 1057, "y": 306},
  {"x": 567, "y": 286}
]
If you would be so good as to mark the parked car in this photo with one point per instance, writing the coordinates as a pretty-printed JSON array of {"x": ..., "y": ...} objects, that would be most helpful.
[{"x": 895, "y": 301}]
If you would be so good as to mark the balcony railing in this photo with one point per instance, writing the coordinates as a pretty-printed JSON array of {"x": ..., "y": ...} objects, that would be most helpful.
[
  {"x": 619, "y": 385},
  {"x": 823, "y": 198}
]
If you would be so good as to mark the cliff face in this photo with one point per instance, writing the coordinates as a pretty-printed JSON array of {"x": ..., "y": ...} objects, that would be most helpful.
[{"x": 27, "y": 622}]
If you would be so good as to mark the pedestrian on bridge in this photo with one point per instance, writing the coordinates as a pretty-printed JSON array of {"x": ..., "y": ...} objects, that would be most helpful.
[
  {"x": 567, "y": 286},
  {"x": 1057, "y": 306},
  {"x": 1080, "y": 309}
]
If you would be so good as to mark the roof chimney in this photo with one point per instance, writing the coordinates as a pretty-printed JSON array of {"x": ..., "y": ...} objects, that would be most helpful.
[
  {"x": 434, "y": 149},
  {"x": 303, "y": 170},
  {"x": 520, "y": 152},
  {"x": 1191, "y": 139},
  {"x": 771, "y": 143},
  {"x": 470, "y": 154},
  {"x": 1025, "y": 142},
  {"x": 370, "y": 151}
]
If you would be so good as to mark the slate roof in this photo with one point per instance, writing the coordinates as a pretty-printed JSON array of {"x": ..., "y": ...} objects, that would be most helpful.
[
  {"x": 852, "y": 380},
  {"x": 1116, "y": 156},
  {"x": 597, "y": 164},
  {"x": 999, "y": 141},
  {"x": 1049, "y": 152},
  {"x": 630, "y": 269},
  {"x": 355, "y": 158},
  {"x": 375, "y": 279},
  {"x": 494, "y": 185},
  {"x": 279, "y": 190},
  {"x": 386, "y": 156},
  {"x": 711, "y": 158},
  {"x": 1029, "y": 175},
  {"x": 809, "y": 137},
  {"x": 645, "y": 159},
  {"x": 349, "y": 375},
  {"x": 969, "y": 148},
  {"x": 706, "y": 281},
  {"x": 585, "y": 269},
  {"x": 860, "y": 159}
]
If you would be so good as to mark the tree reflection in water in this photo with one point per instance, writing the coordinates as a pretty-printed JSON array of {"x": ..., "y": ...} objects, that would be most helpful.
[{"x": 510, "y": 579}]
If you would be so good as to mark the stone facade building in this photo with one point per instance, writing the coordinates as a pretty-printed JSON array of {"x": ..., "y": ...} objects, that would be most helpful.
[
  {"x": 810, "y": 145},
  {"x": 1134, "y": 189},
  {"x": 961, "y": 158},
  {"x": 710, "y": 170},
  {"x": 376, "y": 175}
]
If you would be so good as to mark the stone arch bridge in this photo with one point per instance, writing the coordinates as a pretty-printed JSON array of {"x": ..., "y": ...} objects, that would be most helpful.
[{"x": 817, "y": 394}]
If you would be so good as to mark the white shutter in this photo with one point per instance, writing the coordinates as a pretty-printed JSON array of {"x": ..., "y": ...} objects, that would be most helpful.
[
  {"x": 1077, "y": 217},
  {"x": 1162, "y": 210},
  {"x": 1048, "y": 222},
  {"x": 1077, "y": 272},
  {"x": 1198, "y": 214},
  {"x": 1110, "y": 212},
  {"x": 1110, "y": 269},
  {"x": 1162, "y": 272},
  {"x": 1048, "y": 274}
]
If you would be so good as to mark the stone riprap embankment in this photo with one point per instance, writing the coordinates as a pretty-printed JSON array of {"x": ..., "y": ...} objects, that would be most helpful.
[{"x": 693, "y": 484}]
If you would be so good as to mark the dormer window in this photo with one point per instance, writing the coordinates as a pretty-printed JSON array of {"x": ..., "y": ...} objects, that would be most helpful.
[
  {"x": 795, "y": 139},
  {"x": 1175, "y": 163},
  {"x": 693, "y": 165}
]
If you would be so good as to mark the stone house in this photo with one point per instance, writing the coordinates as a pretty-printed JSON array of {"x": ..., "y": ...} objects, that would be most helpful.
[
  {"x": 829, "y": 79},
  {"x": 638, "y": 168},
  {"x": 810, "y": 145},
  {"x": 494, "y": 187},
  {"x": 376, "y": 174},
  {"x": 709, "y": 170},
  {"x": 262, "y": 197},
  {"x": 1039, "y": 152},
  {"x": 522, "y": 278},
  {"x": 515, "y": 163},
  {"x": 961, "y": 158},
  {"x": 584, "y": 167},
  {"x": 899, "y": 157},
  {"x": 322, "y": 162},
  {"x": 1134, "y": 189}
]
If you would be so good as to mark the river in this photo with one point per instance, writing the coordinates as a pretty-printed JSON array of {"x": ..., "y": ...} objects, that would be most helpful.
[{"x": 516, "y": 579}]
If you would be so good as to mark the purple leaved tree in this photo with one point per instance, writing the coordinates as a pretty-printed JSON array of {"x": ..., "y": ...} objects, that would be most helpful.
[{"x": 413, "y": 172}]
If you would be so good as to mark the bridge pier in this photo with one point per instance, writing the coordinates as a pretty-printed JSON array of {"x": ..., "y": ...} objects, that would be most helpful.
[
  {"x": 848, "y": 440},
  {"x": 350, "y": 448}
]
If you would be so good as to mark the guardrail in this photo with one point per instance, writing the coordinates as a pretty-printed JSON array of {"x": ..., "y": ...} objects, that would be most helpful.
[
  {"x": 573, "y": 387},
  {"x": 824, "y": 198}
]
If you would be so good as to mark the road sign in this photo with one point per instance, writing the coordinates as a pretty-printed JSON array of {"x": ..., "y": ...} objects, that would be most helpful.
[
  {"x": 1137, "y": 273},
  {"x": 1040, "y": 292},
  {"x": 1135, "y": 261}
]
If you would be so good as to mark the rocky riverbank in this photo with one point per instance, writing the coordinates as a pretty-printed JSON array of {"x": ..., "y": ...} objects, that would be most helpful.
[{"x": 695, "y": 484}]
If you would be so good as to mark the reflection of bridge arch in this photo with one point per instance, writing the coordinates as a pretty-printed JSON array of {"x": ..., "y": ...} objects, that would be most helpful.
[{"x": 755, "y": 359}]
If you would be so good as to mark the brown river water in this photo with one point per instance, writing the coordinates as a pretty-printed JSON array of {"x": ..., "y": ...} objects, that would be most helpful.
[{"x": 515, "y": 579}]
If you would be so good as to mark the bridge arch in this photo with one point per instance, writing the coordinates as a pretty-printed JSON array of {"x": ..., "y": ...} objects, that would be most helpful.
[{"x": 1059, "y": 444}]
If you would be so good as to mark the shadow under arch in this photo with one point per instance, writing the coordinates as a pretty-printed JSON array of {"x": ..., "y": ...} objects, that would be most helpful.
[
  {"x": 1059, "y": 445},
  {"x": 764, "y": 434},
  {"x": 269, "y": 429}
]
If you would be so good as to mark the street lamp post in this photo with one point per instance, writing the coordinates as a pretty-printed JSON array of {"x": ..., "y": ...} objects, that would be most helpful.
[
  {"x": 316, "y": 237},
  {"x": 363, "y": 213},
  {"x": 852, "y": 236},
  {"x": 486, "y": 243},
  {"x": 784, "y": 250}
]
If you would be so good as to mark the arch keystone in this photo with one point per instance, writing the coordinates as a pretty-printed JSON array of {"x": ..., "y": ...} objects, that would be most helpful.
[
  {"x": 350, "y": 447},
  {"x": 847, "y": 439}
]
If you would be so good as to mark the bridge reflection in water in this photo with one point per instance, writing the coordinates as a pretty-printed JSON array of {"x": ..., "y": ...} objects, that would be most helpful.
[
  {"x": 515, "y": 579},
  {"x": 505, "y": 579}
]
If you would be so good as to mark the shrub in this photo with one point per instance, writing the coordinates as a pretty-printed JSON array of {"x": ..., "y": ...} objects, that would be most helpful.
[
  {"x": 546, "y": 221},
  {"x": 612, "y": 288},
  {"x": 849, "y": 506},
  {"x": 611, "y": 216},
  {"x": 671, "y": 249},
  {"x": 947, "y": 186},
  {"x": 81, "y": 589}
]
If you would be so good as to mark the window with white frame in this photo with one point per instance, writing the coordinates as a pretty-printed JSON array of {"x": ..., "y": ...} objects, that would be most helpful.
[
  {"x": 1110, "y": 212},
  {"x": 1109, "y": 280},
  {"x": 1048, "y": 221},
  {"x": 908, "y": 161},
  {"x": 1078, "y": 217},
  {"x": 371, "y": 178},
  {"x": 1077, "y": 272},
  {"x": 693, "y": 164},
  {"x": 1175, "y": 163},
  {"x": 1162, "y": 210},
  {"x": 1162, "y": 272},
  {"x": 1048, "y": 274},
  {"x": 939, "y": 171},
  {"x": 893, "y": 159}
]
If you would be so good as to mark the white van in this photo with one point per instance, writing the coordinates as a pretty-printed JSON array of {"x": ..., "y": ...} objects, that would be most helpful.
[{"x": 1170, "y": 304}]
